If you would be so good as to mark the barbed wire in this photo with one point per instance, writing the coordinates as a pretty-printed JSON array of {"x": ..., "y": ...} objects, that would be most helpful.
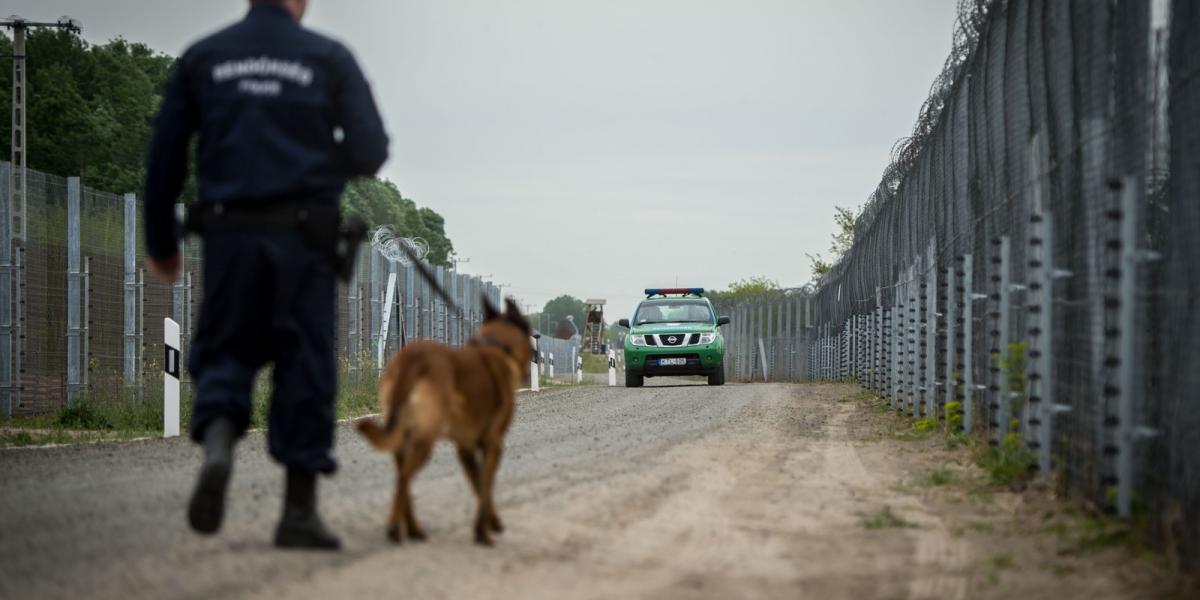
[{"x": 387, "y": 242}]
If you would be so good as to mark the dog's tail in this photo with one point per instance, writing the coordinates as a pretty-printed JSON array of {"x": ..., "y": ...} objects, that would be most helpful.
[
  {"x": 390, "y": 435},
  {"x": 413, "y": 409}
]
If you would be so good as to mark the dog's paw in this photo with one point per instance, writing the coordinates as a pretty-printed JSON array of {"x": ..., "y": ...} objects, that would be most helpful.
[
  {"x": 393, "y": 534},
  {"x": 496, "y": 525},
  {"x": 416, "y": 534},
  {"x": 482, "y": 538}
]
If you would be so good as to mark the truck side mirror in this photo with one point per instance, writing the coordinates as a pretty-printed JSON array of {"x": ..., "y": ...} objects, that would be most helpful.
[
  {"x": 624, "y": 323},
  {"x": 722, "y": 321}
]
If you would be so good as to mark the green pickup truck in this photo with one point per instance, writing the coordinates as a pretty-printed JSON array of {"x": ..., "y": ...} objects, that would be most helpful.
[{"x": 674, "y": 331}]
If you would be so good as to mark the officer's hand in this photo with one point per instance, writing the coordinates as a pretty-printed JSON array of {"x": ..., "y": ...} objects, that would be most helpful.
[{"x": 165, "y": 269}]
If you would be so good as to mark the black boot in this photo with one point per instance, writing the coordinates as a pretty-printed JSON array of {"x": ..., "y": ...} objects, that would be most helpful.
[
  {"x": 207, "y": 507},
  {"x": 301, "y": 527}
]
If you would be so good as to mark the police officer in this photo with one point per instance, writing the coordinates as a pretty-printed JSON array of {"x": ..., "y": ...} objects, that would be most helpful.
[{"x": 284, "y": 117}]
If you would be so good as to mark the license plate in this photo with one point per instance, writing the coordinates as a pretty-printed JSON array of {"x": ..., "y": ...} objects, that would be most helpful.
[{"x": 670, "y": 362}]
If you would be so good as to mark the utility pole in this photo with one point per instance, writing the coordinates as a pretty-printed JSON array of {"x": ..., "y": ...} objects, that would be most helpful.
[
  {"x": 12, "y": 216},
  {"x": 20, "y": 157}
]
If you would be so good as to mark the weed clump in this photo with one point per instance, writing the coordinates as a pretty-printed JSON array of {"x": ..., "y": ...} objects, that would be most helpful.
[
  {"x": 885, "y": 519},
  {"x": 1010, "y": 463},
  {"x": 83, "y": 415}
]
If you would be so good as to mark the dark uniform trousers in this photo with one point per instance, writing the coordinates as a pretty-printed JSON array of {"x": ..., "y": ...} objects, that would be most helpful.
[{"x": 268, "y": 298}]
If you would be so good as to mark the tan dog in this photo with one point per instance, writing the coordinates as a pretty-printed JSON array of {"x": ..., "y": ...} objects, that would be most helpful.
[{"x": 467, "y": 395}]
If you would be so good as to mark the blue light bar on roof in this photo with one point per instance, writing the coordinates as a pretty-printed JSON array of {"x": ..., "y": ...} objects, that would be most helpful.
[{"x": 681, "y": 291}]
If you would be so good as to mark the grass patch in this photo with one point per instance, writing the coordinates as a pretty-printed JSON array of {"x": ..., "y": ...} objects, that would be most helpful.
[
  {"x": 124, "y": 415},
  {"x": 938, "y": 476},
  {"x": 885, "y": 519},
  {"x": 1000, "y": 561},
  {"x": 594, "y": 363}
]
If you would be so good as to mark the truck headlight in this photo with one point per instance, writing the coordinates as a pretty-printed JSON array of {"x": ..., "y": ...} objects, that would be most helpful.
[
  {"x": 637, "y": 340},
  {"x": 708, "y": 338}
]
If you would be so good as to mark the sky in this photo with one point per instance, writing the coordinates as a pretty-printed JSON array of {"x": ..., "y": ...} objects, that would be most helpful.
[{"x": 599, "y": 148}]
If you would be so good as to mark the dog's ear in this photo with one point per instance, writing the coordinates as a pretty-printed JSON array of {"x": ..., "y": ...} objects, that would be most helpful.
[
  {"x": 513, "y": 313},
  {"x": 489, "y": 311},
  {"x": 511, "y": 310}
]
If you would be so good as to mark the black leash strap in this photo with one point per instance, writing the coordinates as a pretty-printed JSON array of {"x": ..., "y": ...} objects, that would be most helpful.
[{"x": 430, "y": 278}]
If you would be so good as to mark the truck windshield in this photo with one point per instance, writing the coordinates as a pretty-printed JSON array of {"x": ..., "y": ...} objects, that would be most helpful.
[{"x": 673, "y": 312}]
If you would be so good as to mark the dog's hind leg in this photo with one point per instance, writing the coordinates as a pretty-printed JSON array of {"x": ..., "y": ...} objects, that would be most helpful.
[
  {"x": 487, "y": 518},
  {"x": 415, "y": 460},
  {"x": 466, "y": 457},
  {"x": 399, "y": 501}
]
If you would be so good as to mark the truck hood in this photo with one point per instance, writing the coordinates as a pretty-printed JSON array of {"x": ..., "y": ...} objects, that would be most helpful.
[{"x": 673, "y": 328}]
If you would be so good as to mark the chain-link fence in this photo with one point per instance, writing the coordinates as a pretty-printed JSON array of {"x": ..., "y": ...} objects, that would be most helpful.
[
  {"x": 79, "y": 318},
  {"x": 1033, "y": 252}
]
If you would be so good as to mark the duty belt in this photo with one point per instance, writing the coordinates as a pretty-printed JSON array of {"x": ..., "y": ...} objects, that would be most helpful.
[{"x": 321, "y": 223}]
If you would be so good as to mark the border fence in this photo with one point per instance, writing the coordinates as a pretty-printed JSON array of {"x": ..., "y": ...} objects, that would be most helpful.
[
  {"x": 79, "y": 318},
  {"x": 1033, "y": 253}
]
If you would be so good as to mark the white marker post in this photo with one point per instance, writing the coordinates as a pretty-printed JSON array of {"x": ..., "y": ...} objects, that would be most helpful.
[
  {"x": 534, "y": 384},
  {"x": 762, "y": 354},
  {"x": 612, "y": 368},
  {"x": 171, "y": 379},
  {"x": 389, "y": 301},
  {"x": 550, "y": 366}
]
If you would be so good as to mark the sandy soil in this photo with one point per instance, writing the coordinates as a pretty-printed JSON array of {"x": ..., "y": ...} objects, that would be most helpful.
[{"x": 669, "y": 491}]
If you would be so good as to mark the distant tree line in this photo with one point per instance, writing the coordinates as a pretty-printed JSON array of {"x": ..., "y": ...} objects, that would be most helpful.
[{"x": 89, "y": 112}]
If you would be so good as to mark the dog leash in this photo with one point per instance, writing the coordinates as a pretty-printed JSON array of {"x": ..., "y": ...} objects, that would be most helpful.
[{"x": 431, "y": 279}]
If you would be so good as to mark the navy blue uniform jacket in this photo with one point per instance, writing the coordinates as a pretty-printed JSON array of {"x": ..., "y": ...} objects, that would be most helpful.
[{"x": 282, "y": 114}]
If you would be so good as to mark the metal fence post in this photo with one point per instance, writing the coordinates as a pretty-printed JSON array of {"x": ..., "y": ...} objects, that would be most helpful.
[
  {"x": 129, "y": 297},
  {"x": 897, "y": 322},
  {"x": 74, "y": 273},
  {"x": 1042, "y": 367},
  {"x": 930, "y": 340},
  {"x": 949, "y": 336},
  {"x": 7, "y": 372},
  {"x": 1000, "y": 393},
  {"x": 141, "y": 329},
  {"x": 409, "y": 303},
  {"x": 85, "y": 352},
  {"x": 451, "y": 314},
  {"x": 1128, "y": 386},
  {"x": 915, "y": 356},
  {"x": 966, "y": 378}
]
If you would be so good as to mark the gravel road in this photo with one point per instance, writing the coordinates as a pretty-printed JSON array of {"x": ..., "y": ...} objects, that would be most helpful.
[{"x": 680, "y": 491}]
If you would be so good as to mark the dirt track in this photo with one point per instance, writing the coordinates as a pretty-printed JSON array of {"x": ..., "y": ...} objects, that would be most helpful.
[{"x": 756, "y": 491}]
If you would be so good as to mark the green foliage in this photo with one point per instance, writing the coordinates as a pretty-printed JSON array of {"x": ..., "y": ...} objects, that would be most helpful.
[
  {"x": 750, "y": 289},
  {"x": 379, "y": 202},
  {"x": 954, "y": 416},
  {"x": 1009, "y": 464},
  {"x": 1014, "y": 363},
  {"x": 89, "y": 106},
  {"x": 83, "y": 415},
  {"x": 843, "y": 238},
  {"x": 557, "y": 310},
  {"x": 925, "y": 425}
]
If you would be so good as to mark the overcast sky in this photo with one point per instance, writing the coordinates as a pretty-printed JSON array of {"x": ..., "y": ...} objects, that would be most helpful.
[{"x": 597, "y": 148}]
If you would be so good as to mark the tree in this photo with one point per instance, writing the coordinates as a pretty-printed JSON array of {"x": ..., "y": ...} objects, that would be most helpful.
[
  {"x": 379, "y": 202},
  {"x": 843, "y": 238},
  {"x": 750, "y": 289},
  {"x": 557, "y": 310}
]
